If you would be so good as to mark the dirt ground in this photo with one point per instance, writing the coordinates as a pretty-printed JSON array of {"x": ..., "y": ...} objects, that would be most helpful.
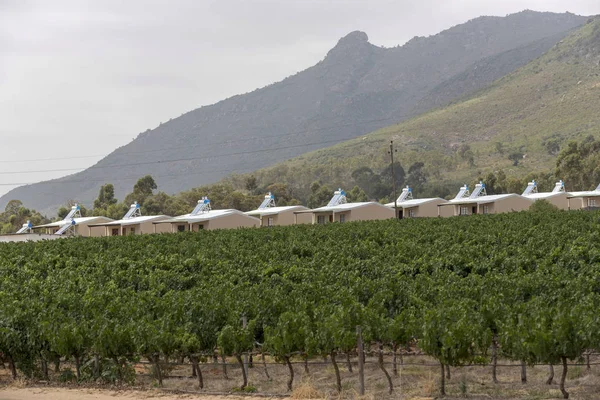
[
  {"x": 96, "y": 394},
  {"x": 418, "y": 378}
]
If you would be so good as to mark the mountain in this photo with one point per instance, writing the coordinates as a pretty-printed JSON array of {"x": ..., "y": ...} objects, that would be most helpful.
[
  {"x": 525, "y": 117},
  {"x": 355, "y": 89}
]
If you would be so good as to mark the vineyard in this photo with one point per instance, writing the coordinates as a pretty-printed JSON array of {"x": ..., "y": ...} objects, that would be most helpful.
[{"x": 523, "y": 288}]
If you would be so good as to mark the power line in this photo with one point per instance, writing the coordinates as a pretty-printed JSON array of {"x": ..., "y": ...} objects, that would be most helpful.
[
  {"x": 208, "y": 144},
  {"x": 107, "y": 179},
  {"x": 179, "y": 159},
  {"x": 110, "y": 179},
  {"x": 474, "y": 94}
]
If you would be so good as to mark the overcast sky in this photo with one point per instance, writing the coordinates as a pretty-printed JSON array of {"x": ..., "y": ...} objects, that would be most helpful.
[{"x": 82, "y": 77}]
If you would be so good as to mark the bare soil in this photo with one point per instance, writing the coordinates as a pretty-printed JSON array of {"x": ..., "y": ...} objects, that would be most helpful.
[
  {"x": 418, "y": 378},
  {"x": 27, "y": 393}
]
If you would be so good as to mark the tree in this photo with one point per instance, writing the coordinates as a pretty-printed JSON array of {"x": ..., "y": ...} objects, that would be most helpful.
[
  {"x": 142, "y": 189},
  {"x": 16, "y": 215},
  {"x": 553, "y": 333},
  {"x": 542, "y": 206},
  {"x": 385, "y": 330},
  {"x": 12, "y": 207},
  {"x": 499, "y": 146},
  {"x": 63, "y": 211},
  {"x": 417, "y": 177},
  {"x": 145, "y": 185},
  {"x": 251, "y": 183},
  {"x": 453, "y": 334},
  {"x": 237, "y": 341},
  {"x": 319, "y": 196},
  {"x": 491, "y": 182},
  {"x": 399, "y": 173},
  {"x": 288, "y": 336},
  {"x": 552, "y": 146},
  {"x": 467, "y": 154},
  {"x": 357, "y": 195},
  {"x": 515, "y": 158},
  {"x": 370, "y": 182},
  {"x": 106, "y": 196},
  {"x": 283, "y": 194},
  {"x": 335, "y": 331},
  {"x": 578, "y": 164}
]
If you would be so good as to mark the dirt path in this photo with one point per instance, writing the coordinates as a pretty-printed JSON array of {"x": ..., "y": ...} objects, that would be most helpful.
[{"x": 94, "y": 394}]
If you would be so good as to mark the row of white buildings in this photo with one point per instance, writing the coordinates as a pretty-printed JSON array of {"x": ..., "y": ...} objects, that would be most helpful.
[{"x": 203, "y": 217}]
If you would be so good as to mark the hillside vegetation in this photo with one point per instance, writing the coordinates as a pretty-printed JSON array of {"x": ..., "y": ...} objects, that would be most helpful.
[
  {"x": 518, "y": 125},
  {"x": 355, "y": 89}
]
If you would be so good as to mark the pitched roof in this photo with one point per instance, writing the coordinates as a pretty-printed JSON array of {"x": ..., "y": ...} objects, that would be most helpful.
[
  {"x": 205, "y": 216},
  {"x": 134, "y": 220},
  {"x": 275, "y": 210},
  {"x": 589, "y": 193},
  {"x": 78, "y": 221},
  {"x": 414, "y": 202},
  {"x": 483, "y": 199},
  {"x": 544, "y": 195},
  {"x": 343, "y": 207}
]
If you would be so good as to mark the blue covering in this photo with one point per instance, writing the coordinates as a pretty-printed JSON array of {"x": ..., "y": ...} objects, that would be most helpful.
[
  {"x": 339, "y": 197},
  {"x": 203, "y": 206},
  {"x": 463, "y": 192},
  {"x": 531, "y": 188}
]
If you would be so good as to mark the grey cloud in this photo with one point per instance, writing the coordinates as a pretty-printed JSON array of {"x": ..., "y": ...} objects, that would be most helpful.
[{"x": 96, "y": 73}]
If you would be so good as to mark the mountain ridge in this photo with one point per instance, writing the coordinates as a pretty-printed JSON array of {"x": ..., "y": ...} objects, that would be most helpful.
[
  {"x": 516, "y": 125},
  {"x": 358, "y": 87}
]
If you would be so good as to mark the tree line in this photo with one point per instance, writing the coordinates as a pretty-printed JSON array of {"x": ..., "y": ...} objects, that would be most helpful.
[{"x": 577, "y": 164}]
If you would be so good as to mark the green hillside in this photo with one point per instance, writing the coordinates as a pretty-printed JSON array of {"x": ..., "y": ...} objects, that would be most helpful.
[{"x": 524, "y": 118}]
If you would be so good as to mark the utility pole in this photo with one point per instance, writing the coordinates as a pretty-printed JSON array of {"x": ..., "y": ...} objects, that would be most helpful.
[{"x": 391, "y": 153}]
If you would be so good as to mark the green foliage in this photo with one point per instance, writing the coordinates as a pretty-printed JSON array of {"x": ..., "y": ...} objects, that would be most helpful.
[
  {"x": 552, "y": 146},
  {"x": 235, "y": 339},
  {"x": 106, "y": 196},
  {"x": 453, "y": 333},
  {"x": 66, "y": 209},
  {"x": 357, "y": 195},
  {"x": 467, "y": 154},
  {"x": 515, "y": 157},
  {"x": 542, "y": 206},
  {"x": 578, "y": 164},
  {"x": 251, "y": 183},
  {"x": 319, "y": 196},
  {"x": 417, "y": 176},
  {"x": 289, "y": 335},
  {"x": 447, "y": 285},
  {"x": 142, "y": 189},
  {"x": 499, "y": 147},
  {"x": 508, "y": 117},
  {"x": 15, "y": 215},
  {"x": 246, "y": 389}
]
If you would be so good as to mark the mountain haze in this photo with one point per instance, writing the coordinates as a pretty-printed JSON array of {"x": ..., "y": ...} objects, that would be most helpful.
[
  {"x": 355, "y": 89},
  {"x": 553, "y": 99}
]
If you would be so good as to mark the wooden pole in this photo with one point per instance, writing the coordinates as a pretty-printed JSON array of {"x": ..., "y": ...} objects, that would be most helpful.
[
  {"x": 361, "y": 365},
  {"x": 244, "y": 325},
  {"x": 393, "y": 178}
]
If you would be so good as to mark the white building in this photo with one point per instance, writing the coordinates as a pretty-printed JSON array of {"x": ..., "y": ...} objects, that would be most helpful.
[
  {"x": 408, "y": 207},
  {"x": 72, "y": 224},
  {"x": 479, "y": 202},
  {"x": 204, "y": 218},
  {"x": 271, "y": 215},
  {"x": 586, "y": 200},
  {"x": 132, "y": 223},
  {"x": 557, "y": 197},
  {"x": 339, "y": 210}
]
